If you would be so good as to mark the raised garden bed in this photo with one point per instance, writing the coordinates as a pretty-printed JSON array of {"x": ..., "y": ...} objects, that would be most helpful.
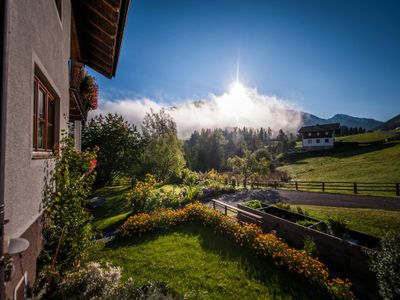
[{"x": 347, "y": 256}]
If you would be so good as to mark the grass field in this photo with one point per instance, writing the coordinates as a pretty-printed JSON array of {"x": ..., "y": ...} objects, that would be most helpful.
[
  {"x": 200, "y": 264},
  {"x": 357, "y": 163},
  {"x": 371, "y": 221},
  {"x": 367, "y": 137}
]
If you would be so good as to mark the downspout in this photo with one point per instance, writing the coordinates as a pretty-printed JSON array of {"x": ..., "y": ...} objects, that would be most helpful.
[{"x": 4, "y": 5}]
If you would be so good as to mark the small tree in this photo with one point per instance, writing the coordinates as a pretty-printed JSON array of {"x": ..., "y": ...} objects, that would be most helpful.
[
  {"x": 248, "y": 165},
  {"x": 67, "y": 229}
]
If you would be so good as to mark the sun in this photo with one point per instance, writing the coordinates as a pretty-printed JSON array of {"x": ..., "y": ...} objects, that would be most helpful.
[{"x": 237, "y": 89}]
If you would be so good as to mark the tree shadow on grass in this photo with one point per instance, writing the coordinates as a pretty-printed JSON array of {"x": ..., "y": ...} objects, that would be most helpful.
[
  {"x": 115, "y": 203},
  {"x": 281, "y": 283}
]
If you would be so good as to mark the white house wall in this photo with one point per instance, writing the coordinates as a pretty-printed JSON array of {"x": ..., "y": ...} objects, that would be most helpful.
[
  {"x": 36, "y": 36},
  {"x": 322, "y": 142}
]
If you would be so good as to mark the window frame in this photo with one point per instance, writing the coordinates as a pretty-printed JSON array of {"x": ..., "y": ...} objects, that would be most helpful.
[{"x": 45, "y": 150}]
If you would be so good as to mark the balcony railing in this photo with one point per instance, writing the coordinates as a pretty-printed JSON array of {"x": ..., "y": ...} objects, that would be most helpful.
[{"x": 77, "y": 110}]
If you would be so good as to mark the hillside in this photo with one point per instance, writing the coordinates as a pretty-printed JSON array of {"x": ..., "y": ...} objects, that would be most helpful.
[
  {"x": 346, "y": 120},
  {"x": 390, "y": 124},
  {"x": 358, "y": 158},
  {"x": 367, "y": 137}
]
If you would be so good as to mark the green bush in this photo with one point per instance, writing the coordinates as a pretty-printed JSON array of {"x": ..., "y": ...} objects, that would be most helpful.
[
  {"x": 306, "y": 223},
  {"x": 253, "y": 204},
  {"x": 189, "y": 177},
  {"x": 283, "y": 206},
  {"x": 67, "y": 228},
  {"x": 191, "y": 193},
  {"x": 162, "y": 199},
  {"x": 338, "y": 226},
  {"x": 301, "y": 211},
  {"x": 310, "y": 247},
  {"x": 386, "y": 264}
]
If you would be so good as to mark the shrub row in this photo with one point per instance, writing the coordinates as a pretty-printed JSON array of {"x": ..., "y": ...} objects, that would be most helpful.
[{"x": 249, "y": 235}]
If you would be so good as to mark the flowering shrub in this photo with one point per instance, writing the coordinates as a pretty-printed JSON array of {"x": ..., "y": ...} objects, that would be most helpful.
[
  {"x": 102, "y": 282},
  {"x": 140, "y": 193},
  {"x": 248, "y": 235},
  {"x": 89, "y": 91},
  {"x": 191, "y": 193},
  {"x": 67, "y": 227}
]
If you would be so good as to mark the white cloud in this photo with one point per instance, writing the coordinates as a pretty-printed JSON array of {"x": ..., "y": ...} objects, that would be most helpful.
[{"x": 241, "y": 106}]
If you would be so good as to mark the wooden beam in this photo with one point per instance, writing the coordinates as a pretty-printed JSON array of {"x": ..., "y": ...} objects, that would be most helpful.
[
  {"x": 75, "y": 46},
  {"x": 102, "y": 8},
  {"x": 99, "y": 28},
  {"x": 100, "y": 70},
  {"x": 114, "y": 3},
  {"x": 101, "y": 57},
  {"x": 102, "y": 50},
  {"x": 103, "y": 18},
  {"x": 105, "y": 26},
  {"x": 101, "y": 37},
  {"x": 96, "y": 40},
  {"x": 99, "y": 62}
]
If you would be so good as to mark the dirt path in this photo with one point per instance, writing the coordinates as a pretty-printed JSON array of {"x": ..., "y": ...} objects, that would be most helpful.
[{"x": 309, "y": 198}]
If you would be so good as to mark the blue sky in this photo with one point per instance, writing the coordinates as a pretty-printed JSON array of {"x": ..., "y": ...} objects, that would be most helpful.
[{"x": 327, "y": 57}]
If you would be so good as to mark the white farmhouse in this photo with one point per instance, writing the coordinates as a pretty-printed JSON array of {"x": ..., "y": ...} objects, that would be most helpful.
[{"x": 319, "y": 136}]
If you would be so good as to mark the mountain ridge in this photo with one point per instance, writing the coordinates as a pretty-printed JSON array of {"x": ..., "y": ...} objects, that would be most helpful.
[{"x": 343, "y": 119}]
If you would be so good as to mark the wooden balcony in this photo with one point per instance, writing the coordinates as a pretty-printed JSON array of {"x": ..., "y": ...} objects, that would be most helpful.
[{"x": 77, "y": 109}]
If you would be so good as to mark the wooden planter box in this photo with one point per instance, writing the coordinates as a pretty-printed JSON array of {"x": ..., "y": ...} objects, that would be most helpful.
[{"x": 342, "y": 255}]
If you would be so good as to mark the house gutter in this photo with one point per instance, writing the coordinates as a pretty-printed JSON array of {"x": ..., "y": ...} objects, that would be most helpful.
[{"x": 4, "y": 8}]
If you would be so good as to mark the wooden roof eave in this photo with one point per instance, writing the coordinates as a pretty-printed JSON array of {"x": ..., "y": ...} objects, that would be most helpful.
[{"x": 100, "y": 26}]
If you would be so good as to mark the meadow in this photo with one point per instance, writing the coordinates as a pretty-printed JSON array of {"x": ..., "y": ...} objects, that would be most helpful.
[{"x": 358, "y": 158}]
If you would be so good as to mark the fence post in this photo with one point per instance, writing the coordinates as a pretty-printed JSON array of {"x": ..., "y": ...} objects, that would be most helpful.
[
  {"x": 226, "y": 210},
  {"x": 398, "y": 189},
  {"x": 276, "y": 185},
  {"x": 297, "y": 187},
  {"x": 355, "y": 187},
  {"x": 323, "y": 186}
]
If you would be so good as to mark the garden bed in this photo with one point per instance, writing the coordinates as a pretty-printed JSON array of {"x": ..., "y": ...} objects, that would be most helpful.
[
  {"x": 201, "y": 264},
  {"x": 347, "y": 256}
]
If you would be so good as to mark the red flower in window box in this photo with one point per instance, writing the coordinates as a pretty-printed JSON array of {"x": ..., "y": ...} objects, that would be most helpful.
[{"x": 89, "y": 91}]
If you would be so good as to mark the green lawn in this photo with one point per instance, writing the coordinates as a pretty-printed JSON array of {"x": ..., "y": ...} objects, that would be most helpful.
[
  {"x": 371, "y": 221},
  {"x": 115, "y": 209},
  {"x": 367, "y": 137},
  {"x": 370, "y": 163},
  {"x": 200, "y": 264}
]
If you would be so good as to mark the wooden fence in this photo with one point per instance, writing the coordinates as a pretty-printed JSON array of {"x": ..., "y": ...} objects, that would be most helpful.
[
  {"x": 246, "y": 216},
  {"x": 340, "y": 186}
]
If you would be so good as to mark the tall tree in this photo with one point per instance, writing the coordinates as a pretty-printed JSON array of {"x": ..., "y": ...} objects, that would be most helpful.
[
  {"x": 119, "y": 144},
  {"x": 163, "y": 153}
]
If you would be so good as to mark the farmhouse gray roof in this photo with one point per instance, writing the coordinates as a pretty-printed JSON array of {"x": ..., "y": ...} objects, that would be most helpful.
[{"x": 314, "y": 128}]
